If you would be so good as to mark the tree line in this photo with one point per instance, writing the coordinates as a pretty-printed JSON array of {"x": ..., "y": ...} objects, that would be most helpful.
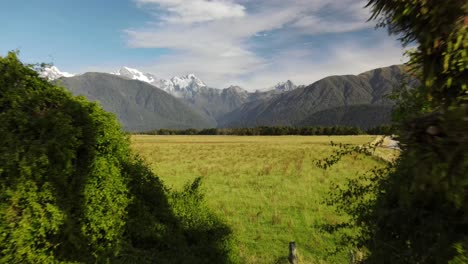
[
  {"x": 415, "y": 209},
  {"x": 275, "y": 131}
]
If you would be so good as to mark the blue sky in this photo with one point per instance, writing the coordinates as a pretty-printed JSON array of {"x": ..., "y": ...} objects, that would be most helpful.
[{"x": 252, "y": 43}]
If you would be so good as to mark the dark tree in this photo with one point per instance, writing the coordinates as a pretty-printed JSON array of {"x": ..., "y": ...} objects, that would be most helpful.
[{"x": 415, "y": 210}]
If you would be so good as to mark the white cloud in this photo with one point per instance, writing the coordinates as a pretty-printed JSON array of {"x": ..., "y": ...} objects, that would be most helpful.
[
  {"x": 214, "y": 70},
  {"x": 303, "y": 66},
  {"x": 316, "y": 24},
  {"x": 341, "y": 16},
  {"x": 190, "y": 11},
  {"x": 210, "y": 37},
  {"x": 216, "y": 40}
]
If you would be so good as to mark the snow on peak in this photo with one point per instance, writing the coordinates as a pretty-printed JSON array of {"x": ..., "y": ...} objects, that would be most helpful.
[
  {"x": 135, "y": 74},
  {"x": 52, "y": 73},
  {"x": 190, "y": 81},
  {"x": 185, "y": 86}
]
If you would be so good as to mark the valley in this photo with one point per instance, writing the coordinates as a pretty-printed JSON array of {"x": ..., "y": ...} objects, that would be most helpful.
[{"x": 234, "y": 131}]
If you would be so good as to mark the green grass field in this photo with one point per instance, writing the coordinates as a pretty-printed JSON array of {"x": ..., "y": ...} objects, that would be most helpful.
[{"x": 266, "y": 188}]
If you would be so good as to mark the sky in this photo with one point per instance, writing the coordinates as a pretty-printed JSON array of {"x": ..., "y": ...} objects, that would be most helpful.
[{"x": 251, "y": 43}]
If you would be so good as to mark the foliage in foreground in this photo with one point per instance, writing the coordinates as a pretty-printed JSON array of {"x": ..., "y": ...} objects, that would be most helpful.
[
  {"x": 415, "y": 211},
  {"x": 71, "y": 191}
]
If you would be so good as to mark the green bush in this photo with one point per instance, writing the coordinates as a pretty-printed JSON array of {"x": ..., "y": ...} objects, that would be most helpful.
[
  {"x": 415, "y": 211},
  {"x": 71, "y": 191}
]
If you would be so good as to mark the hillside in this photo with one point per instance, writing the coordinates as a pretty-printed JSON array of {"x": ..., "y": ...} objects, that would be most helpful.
[
  {"x": 294, "y": 107},
  {"x": 139, "y": 106},
  {"x": 215, "y": 103},
  {"x": 362, "y": 116}
]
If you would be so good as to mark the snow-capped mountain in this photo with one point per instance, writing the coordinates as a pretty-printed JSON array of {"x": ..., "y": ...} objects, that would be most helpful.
[
  {"x": 189, "y": 86},
  {"x": 215, "y": 103},
  {"x": 186, "y": 86},
  {"x": 52, "y": 73},
  {"x": 211, "y": 101},
  {"x": 182, "y": 87},
  {"x": 135, "y": 74}
]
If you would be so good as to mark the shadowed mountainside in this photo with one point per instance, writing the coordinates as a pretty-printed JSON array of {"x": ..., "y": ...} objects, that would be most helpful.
[
  {"x": 362, "y": 116},
  {"x": 139, "y": 106},
  {"x": 296, "y": 107}
]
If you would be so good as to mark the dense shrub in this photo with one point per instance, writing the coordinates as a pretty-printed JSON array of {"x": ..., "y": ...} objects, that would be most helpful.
[
  {"x": 71, "y": 191},
  {"x": 415, "y": 210}
]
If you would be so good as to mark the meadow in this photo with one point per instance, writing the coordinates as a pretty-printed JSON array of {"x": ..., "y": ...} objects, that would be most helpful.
[{"x": 267, "y": 188}]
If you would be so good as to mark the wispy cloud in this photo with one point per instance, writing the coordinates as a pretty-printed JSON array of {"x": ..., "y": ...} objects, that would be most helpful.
[
  {"x": 254, "y": 42},
  {"x": 186, "y": 12},
  {"x": 307, "y": 65},
  {"x": 335, "y": 17}
]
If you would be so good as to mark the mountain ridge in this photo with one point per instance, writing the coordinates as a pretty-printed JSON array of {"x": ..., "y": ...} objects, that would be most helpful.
[
  {"x": 291, "y": 108},
  {"x": 138, "y": 105},
  {"x": 359, "y": 100}
]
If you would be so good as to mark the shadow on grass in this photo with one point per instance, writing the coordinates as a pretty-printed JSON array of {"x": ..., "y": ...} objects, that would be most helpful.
[{"x": 172, "y": 227}]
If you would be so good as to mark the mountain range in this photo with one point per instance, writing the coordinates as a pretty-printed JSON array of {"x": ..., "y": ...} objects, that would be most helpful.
[
  {"x": 142, "y": 101},
  {"x": 335, "y": 94},
  {"x": 138, "y": 105}
]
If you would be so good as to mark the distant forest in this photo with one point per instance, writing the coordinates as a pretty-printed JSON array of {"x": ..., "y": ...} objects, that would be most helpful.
[{"x": 276, "y": 131}]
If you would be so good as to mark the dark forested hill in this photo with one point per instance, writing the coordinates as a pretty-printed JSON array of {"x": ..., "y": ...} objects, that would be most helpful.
[
  {"x": 139, "y": 106},
  {"x": 362, "y": 116},
  {"x": 336, "y": 94}
]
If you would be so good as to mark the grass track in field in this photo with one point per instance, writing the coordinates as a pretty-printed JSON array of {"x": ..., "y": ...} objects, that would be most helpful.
[{"x": 267, "y": 188}]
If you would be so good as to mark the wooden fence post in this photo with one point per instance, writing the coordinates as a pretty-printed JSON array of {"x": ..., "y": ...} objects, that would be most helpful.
[{"x": 293, "y": 253}]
